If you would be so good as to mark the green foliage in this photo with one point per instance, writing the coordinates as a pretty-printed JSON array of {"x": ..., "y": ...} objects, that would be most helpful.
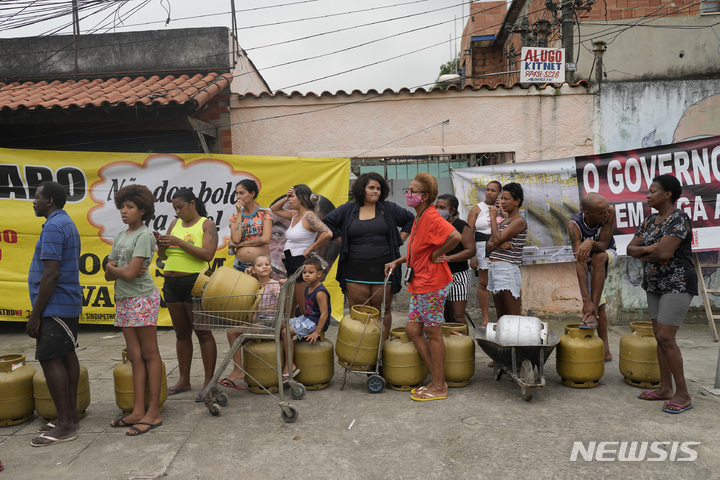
[{"x": 448, "y": 67}]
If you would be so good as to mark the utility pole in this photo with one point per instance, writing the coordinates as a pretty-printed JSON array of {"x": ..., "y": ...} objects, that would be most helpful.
[
  {"x": 568, "y": 23},
  {"x": 76, "y": 31}
]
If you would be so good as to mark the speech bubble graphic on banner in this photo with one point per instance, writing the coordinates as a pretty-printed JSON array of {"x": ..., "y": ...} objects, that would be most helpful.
[{"x": 211, "y": 180}]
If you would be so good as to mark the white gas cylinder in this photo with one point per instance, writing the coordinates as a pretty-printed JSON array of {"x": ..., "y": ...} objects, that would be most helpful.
[{"x": 520, "y": 330}]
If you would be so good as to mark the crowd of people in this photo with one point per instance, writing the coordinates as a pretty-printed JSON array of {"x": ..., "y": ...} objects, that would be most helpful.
[{"x": 441, "y": 251}]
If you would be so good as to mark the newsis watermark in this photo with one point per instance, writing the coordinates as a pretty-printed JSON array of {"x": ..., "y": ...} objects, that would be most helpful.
[{"x": 634, "y": 451}]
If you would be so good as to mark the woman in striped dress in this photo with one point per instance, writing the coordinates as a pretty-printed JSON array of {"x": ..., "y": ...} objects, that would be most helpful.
[{"x": 506, "y": 249}]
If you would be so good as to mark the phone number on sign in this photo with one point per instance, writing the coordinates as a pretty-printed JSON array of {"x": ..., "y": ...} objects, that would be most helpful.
[{"x": 535, "y": 76}]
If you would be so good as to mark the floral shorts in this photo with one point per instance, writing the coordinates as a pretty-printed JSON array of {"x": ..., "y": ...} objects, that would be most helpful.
[
  {"x": 137, "y": 311},
  {"x": 428, "y": 308}
]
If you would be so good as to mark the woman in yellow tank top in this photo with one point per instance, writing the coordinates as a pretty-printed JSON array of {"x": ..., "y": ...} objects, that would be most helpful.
[{"x": 190, "y": 244}]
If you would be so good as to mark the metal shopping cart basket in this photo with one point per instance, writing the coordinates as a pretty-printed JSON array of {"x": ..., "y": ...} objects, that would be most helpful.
[{"x": 239, "y": 312}]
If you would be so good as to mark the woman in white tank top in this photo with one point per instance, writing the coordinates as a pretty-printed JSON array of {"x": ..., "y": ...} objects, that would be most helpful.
[
  {"x": 305, "y": 234},
  {"x": 479, "y": 221}
]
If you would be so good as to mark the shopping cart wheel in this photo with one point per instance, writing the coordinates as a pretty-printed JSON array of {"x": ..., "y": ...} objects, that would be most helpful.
[
  {"x": 375, "y": 384},
  {"x": 289, "y": 418},
  {"x": 214, "y": 409},
  {"x": 222, "y": 399},
  {"x": 298, "y": 391}
]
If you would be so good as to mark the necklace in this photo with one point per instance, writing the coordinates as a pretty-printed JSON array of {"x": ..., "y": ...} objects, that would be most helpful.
[{"x": 417, "y": 219}]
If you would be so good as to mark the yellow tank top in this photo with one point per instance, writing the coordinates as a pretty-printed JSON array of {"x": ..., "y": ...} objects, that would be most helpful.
[{"x": 178, "y": 260}]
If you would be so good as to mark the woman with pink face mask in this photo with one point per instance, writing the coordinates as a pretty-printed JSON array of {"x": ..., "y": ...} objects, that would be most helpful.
[
  {"x": 429, "y": 281},
  {"x": 370, "y": 231}
]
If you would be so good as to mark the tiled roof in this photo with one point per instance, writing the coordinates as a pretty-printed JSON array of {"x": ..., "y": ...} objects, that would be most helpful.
[
  {"x": 389, "y": 91},
  {"x": 194, "y": 90}
]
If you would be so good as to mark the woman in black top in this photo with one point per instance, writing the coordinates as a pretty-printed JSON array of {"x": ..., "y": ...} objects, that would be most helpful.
[
  {"x": 368, "y": 229},
  {"x": 457, "y": 258},
  {"x": 664, "y": 244}
]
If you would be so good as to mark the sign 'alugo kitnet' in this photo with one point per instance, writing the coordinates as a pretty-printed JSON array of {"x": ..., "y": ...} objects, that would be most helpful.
[{"x": 542, "y": 65}]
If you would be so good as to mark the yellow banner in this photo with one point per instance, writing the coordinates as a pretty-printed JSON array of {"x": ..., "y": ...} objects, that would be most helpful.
[{"x": 92, "y": 180}]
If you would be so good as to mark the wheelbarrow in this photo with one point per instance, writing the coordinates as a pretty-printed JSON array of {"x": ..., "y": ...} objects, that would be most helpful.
[{"x": 523, "y": 363}]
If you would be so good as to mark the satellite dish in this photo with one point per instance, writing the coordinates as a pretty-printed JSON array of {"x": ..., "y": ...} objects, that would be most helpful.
[{"x": 452, "y": 78}]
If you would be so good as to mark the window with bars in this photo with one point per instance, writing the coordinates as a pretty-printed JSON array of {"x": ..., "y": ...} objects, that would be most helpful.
[
  {"x": 401, "y": 168},
  {"x": 709, "y": 6}
]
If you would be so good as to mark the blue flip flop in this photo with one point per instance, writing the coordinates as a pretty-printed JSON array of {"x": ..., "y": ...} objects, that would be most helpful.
[
  {"x": 681, "y": 410},
  {"x": 175, "y": 391}
]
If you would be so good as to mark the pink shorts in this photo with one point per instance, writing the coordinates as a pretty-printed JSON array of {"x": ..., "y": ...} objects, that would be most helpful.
[
  {"x": 137, "y": 311},
  {"x": 428, "y": 308}
]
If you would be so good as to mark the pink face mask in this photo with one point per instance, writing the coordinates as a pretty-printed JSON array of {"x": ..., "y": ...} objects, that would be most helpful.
[{"x": 413, "y": 199}]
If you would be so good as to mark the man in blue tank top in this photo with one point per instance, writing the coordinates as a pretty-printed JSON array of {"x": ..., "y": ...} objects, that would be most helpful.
[{"x": 591, "y": 235}]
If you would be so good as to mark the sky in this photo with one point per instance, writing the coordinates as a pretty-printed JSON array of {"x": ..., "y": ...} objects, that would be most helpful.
[{"x": 379, "y": 43}]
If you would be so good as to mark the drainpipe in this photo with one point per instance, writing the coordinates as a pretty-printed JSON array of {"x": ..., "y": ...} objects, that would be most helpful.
[{"x": 599, "y": 48}]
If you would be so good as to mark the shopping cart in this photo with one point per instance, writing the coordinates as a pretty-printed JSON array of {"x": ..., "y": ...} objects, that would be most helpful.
[{"x": 239, "y": 313}]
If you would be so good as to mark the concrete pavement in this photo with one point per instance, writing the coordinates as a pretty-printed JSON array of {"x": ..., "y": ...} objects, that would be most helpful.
[{"x": 484, "y": 430}]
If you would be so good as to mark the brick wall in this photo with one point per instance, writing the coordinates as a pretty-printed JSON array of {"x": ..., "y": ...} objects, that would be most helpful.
[
  {"x": 217, "y": 113},
  {"x": 627, "y": 9},
  {"x": 485, "y": 61},
  {"x": 485, "y": 19}
]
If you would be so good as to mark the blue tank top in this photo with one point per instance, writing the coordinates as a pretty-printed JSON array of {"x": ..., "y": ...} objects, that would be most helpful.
[
  {"x": 312, "y": 310},
  {"x": 592, "y": 233}
]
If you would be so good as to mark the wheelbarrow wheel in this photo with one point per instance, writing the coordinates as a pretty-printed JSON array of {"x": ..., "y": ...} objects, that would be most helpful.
[{"x": 527, "y": 375}]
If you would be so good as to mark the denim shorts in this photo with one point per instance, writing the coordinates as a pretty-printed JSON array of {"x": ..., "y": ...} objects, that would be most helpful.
[
  {"x": 482, "y": 258},
  {"x": 504, "y": 276},
  {"x": 302, "y": 326},
  {"x": 240, "y": 266}
]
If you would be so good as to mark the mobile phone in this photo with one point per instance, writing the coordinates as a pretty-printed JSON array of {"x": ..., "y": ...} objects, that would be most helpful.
[{"x": 157, "y": 234}]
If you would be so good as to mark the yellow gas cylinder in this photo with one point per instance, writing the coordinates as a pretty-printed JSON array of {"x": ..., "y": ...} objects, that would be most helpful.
[
  {"x": 459, "y": 354},
  {"x": 16, "y": 390},
  {"x": 358, "y": 338},
  {"x": 403, "y": 368},
  {"x": 580, "y": 357},
  {"x": 44, "y": 405},
  {"x": 638, "y": 356},
  {"x": 259, "y": 362},
  {"x": 231, "y": 294},
  {"x": 316, "y": 362},
  {"x": 125, "y": 391}
]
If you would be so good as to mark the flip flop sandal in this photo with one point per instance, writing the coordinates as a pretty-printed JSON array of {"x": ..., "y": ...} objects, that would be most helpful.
[
  {"x": 680, "y": 410},
  {"x": 226, "y": 382},
  {"x": 653, "y": 395},
  {"x": 50, "y": 440},
  {"x": 136, "y": 431},
  {"x": 120, "y": 422},
  {"x": 49, "y": 426},
  {"x": 427, "y": 397}
]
